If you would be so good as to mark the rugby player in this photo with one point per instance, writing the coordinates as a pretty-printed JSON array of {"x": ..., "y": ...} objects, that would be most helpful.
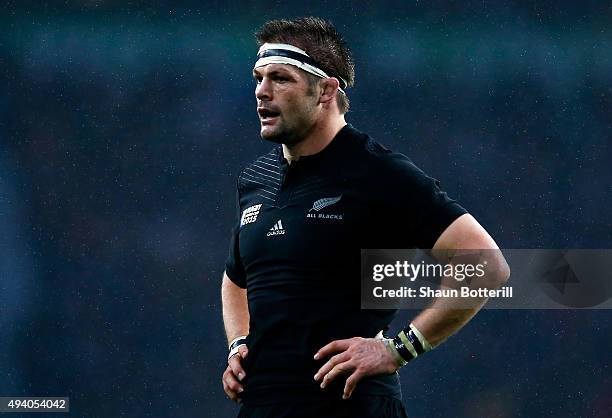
[{"x": 299, "y": 344}]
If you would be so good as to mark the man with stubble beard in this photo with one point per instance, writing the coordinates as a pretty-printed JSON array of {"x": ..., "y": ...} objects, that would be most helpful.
[{"x": 299, "y": 344}]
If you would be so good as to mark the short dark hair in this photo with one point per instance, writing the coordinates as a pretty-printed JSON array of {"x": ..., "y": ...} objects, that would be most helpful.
[{"x": 321, "y": 41}]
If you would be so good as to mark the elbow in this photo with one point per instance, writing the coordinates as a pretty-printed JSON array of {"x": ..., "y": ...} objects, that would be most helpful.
[{"x": 499, "y": 271}]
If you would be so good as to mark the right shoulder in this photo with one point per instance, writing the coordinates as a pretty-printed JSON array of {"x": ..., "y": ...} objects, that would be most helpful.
[{"x": 262, "y": 175}]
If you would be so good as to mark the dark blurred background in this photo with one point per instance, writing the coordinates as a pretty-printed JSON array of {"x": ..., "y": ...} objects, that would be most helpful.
[{"x": 123, "y": 126}]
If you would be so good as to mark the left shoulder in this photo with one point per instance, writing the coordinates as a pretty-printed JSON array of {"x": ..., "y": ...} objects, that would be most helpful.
[
  {"x": 397, "y": 167},
  {"x": 387, "y": 166}
]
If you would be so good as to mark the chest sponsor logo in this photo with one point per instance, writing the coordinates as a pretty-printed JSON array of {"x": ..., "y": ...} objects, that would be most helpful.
[
  {"x": 319, "y": 205},
  {"x": 277, "y": 229},
  {"x": 249, "y": 215}
]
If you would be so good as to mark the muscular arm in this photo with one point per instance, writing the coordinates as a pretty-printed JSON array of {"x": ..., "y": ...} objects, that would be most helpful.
[
  {"x": 236, "y": 321},
  {"x": 465, "y": 233},
  {"x": 359, "y": 357},
  {"x": 235, "y": 309}
]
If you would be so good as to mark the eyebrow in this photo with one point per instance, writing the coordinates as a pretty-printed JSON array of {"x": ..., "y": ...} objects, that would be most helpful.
[{"x": 283, "y": 73}]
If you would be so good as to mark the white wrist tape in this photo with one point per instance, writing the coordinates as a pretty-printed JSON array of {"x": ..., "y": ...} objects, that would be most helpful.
[{"x": 235, "y": 345}]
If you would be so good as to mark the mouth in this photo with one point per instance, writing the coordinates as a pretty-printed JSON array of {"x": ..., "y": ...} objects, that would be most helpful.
[{"x": 267, "y": 115}]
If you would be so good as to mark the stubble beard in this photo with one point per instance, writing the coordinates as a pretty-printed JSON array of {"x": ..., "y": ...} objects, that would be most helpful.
[
  {"x": 286, "y": 136},
  {"x": 280, "y": 134},
  {"x": 292, "y": 135}
]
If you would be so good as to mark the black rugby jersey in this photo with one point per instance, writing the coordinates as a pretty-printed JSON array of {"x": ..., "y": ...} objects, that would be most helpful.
[{"x": 296, "y": 249}]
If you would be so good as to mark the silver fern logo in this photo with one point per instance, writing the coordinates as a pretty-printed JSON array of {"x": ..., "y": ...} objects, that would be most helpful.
[{"x": 325, "y": 202}]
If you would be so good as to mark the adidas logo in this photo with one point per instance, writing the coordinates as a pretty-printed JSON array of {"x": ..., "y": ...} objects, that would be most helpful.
[{"x": 277, "y": 229}]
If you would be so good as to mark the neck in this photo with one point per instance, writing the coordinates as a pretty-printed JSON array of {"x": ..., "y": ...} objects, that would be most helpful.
[{"x": 316, "y": 140}]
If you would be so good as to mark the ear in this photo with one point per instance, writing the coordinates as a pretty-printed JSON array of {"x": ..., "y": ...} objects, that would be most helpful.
[{"x": 329, "y": 90}]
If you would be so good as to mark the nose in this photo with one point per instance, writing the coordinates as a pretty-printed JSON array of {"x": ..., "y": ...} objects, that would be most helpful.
[{"x": 263, "y": 90}]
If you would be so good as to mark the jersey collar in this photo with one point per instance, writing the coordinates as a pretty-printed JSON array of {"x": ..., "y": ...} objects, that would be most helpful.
[{"x": 332, "y": 151}]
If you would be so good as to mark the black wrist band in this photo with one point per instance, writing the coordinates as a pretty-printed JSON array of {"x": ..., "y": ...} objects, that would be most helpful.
[
  {"x": 415, "y": 341},
  {"x": 401, "y": 349},
  {"x": 410, "y": 343}
]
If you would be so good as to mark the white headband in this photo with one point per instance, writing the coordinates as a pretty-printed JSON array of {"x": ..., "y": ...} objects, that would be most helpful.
[{"x": 291, "y": 55}]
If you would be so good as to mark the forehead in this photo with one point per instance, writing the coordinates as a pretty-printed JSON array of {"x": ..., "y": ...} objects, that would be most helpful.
[{"x": 281, "y": 68}]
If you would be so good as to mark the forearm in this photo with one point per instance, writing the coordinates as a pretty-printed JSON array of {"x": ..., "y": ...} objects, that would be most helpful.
[
  {"x": 438, "y": 324},
  {"x": 235, "y": 309},
  {"x": 446, "y": 316}
]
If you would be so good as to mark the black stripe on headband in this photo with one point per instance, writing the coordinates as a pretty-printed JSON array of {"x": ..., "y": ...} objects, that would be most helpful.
[{"x": 299, "y": 57}]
